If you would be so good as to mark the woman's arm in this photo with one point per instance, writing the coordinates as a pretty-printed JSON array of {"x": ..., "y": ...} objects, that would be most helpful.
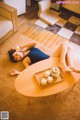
[
  {"x": 14, "y": 72},
  {"x": 27, "y": 46},
  {"x": 26, "y": 61}
]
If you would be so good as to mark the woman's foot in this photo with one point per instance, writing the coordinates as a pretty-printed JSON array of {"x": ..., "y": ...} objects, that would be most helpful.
[
  {"x": 14, "y": 72},
  {"x": 64, "y": 67},
  {"x": 74, "y": 69}
]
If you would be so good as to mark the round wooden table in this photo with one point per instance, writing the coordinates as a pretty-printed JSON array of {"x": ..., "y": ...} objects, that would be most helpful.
[{"x": 27, "y": 84}]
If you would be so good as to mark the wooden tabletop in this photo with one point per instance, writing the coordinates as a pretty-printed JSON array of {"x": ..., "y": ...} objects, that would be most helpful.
[{"x": 27, "y": 84}]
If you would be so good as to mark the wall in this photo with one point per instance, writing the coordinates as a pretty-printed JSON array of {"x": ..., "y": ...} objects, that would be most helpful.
[
  {"x": 20, "y": 5},
  {"x": 72, "y": 6}
]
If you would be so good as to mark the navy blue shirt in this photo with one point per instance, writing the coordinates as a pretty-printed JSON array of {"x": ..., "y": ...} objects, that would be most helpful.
[{"x": 36, "y": 55}]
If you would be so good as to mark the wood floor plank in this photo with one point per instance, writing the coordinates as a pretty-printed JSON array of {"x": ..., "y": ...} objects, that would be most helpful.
[{"x": 28, "y": 28}]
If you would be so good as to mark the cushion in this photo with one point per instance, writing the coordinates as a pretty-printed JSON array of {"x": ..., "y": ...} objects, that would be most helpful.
[
  {"x": 49, "y": 16},
  {"x": 5, "y": 26}
]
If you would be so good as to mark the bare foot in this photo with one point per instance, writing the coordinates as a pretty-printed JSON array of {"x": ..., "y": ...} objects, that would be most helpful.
[
  {"x": 65, "y": 68},
  {"x": 74, "y": 69},
  {"x": 14, "y": 72}
]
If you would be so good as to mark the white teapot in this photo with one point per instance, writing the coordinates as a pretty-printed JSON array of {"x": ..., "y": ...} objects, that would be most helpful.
[{"x": 55, "y": 72}]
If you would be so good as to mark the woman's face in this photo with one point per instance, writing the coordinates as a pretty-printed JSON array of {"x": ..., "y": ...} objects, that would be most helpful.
[{"x": 18, "y": 56}]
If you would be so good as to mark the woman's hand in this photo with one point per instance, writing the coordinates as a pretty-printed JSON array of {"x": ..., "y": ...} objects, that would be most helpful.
[
  {"x": 24, "y": 49},
  {"x": 18, "y": 48},
  {"x": 14, "y": 72}
]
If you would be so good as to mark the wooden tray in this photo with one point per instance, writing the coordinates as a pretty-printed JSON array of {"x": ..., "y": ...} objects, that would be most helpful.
[{"x": 40, "y": 75}]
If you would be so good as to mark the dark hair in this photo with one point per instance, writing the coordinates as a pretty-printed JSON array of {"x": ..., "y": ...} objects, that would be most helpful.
[{"x": 10, "y": 52}]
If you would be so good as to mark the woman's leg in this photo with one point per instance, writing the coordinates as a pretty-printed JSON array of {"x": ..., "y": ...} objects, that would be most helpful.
[
  {"x": 56, "y": 53},
  {"x": 63, "y": 53},
  {"x": 73, "y": 61}
]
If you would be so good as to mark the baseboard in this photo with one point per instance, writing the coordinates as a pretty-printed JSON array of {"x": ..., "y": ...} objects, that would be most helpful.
[{"x": 70, "y": 12}]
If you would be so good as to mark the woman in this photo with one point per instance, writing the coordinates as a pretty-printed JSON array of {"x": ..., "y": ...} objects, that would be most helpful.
[
  {"x": 69, "y": 57},
  {"x": 30, "y": 54}
]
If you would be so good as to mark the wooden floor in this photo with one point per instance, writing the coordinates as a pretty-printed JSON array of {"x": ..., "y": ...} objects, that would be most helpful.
[
  {"x": 41, "y": 35},
  {"x": 62, "y": 106}
]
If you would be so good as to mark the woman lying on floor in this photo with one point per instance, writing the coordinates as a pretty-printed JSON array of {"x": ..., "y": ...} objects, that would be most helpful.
[{"x": 30, "y": 54}]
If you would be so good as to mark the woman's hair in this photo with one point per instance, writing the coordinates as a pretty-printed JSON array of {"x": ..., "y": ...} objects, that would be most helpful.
[{"x": 10, "y": 52}]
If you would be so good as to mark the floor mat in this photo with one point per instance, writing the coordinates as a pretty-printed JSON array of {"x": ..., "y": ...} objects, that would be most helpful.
[
  {"x": 68, "y": 27},
  {"x": 58, "y": 106},
  {"x": 41, "y": 24}
]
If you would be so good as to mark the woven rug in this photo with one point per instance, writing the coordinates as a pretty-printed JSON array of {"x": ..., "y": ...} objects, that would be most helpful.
[
  {"x": 62, "y": 106},
  {"x": 68, "y": 26}
]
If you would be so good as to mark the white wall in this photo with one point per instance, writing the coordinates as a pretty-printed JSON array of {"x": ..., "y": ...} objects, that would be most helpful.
[{"x": 20, "y": 5}]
